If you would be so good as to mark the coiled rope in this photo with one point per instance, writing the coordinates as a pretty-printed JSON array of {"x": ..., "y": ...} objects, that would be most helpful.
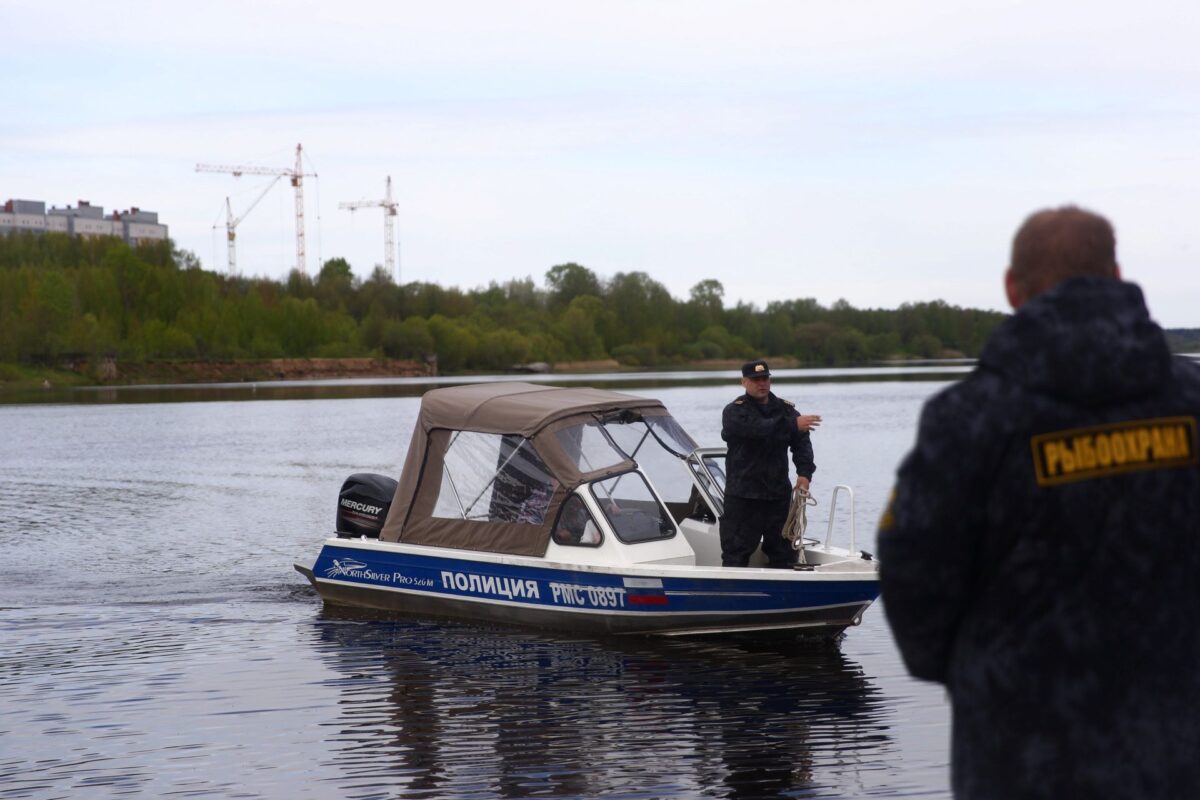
[{"x": 797, "y": 519}]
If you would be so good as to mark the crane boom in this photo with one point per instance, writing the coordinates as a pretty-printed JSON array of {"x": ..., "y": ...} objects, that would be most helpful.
[
  {"x": 257, "y": 200},
  {"x": 389, "y": 207},
  {"x": 238, "y": 172},
  {"x": 297, "y": 176},
  {"x": 231, "y": 223}
]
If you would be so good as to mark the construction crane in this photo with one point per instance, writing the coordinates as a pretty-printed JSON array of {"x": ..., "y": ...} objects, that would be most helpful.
[
  {"x": 232, "y": 222},
  {"x": 389, "y": 234},
  {"x": 297, "y": 176}
]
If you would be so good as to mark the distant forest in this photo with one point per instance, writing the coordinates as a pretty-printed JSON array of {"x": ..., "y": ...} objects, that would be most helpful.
[
  {"x": 1184, "y": 340},
  {"x": 62, "y": 296}
]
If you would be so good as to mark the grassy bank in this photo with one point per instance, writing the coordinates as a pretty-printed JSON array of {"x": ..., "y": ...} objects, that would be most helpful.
[{"x": 22, "y": 377}]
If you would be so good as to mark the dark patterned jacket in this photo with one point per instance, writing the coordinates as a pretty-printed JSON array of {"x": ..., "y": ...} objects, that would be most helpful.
[
  {"x": 1041, "y": 555},
  {"x": 758, "y": 438}
]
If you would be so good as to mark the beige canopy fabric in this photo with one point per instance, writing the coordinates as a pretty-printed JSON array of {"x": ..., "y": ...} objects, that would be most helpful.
[
  {"x": 520, "y": 408},
  {"x": 528, "y": 411}
]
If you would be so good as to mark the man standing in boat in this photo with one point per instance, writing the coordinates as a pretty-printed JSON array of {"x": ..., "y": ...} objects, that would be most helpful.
[
  {"x": 1041, "y": 551},
  {"x": 759, "y": 429}
]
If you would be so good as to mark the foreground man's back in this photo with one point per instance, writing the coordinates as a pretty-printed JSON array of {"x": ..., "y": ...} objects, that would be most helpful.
[{"x": 1041, "y": 554}]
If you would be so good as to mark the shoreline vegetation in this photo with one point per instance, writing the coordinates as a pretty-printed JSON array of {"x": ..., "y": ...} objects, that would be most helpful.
[{"x": 96, "y": 312}]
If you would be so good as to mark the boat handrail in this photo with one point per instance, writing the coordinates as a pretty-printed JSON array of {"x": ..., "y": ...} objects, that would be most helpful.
[{"x": 832, "y": 510}]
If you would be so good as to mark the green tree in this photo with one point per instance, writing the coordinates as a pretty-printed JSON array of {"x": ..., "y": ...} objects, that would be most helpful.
[
  {"x": 335, "y": 285},
  {"x": 162, "y": 340},
  {"x": 411, "y": 339},
  {"x": 336, "y": 269},
  {"x": 565, "y": 282},
  {"x": 777, "y": 333},
  {"x": 643, "y": 310},
  {"x": 501, "y": 349},
  {"x": 453, "y": 342},
  {"x": 709, "y": 296},
  {"x": 48, "y": 314},
  {"x": 577, "y": 328},
  {"x": 297, "y": 326},
  {"x": 132, "y": 275},
  {"x": 926, "y": 345}
]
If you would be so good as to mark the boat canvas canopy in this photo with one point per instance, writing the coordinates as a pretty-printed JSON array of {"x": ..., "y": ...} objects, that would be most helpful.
[{"x": 490, "y": 464}]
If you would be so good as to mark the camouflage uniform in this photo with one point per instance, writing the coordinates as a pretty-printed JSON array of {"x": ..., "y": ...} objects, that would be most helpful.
[
  {"x": 757, "y": 489},
  {"x": 1041, "y": 555}
]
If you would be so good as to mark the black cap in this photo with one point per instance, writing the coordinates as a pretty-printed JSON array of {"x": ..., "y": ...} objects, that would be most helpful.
[{"x": 753, "y": 369}]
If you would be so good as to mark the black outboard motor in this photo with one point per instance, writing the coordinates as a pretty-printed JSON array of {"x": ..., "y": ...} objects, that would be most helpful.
[{"x": 363, "y": 505}]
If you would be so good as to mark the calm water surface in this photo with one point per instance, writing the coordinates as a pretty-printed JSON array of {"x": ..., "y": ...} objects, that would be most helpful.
[{"x": 156, "y": 641}]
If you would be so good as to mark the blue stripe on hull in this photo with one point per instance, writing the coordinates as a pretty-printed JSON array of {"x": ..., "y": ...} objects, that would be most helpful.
[{"x": 375, "y": 578}]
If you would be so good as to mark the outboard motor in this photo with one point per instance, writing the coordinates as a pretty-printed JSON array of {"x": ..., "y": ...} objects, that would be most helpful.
[{"x": 363, "y": 505}]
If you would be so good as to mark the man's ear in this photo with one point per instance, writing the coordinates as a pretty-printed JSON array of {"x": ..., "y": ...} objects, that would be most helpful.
[{"x": 1013, "y": 290}]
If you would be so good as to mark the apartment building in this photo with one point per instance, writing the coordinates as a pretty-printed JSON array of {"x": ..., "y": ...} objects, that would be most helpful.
[{"x": 85, "y": 219}]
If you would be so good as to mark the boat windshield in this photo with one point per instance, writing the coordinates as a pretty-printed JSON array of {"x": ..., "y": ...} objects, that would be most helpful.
[
  {"x": 671, "y": 435},
  {"x": 632, "y": 509},
  {"x": 653, "y": 443}
]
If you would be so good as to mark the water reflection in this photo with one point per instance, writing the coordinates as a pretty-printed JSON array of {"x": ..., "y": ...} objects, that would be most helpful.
[{"x": 458, "y": 710}]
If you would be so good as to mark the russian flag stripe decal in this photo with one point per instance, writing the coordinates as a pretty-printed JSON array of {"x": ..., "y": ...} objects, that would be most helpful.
[
  {"x": 642, "y": 583},
  {"x": 644, "y": 591}
]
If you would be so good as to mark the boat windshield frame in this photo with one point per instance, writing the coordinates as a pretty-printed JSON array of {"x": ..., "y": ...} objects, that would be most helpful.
[{"x": 708, "y": 476}]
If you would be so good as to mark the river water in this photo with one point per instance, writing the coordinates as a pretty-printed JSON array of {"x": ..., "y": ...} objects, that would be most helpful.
[{"x": 157, "y": 642}]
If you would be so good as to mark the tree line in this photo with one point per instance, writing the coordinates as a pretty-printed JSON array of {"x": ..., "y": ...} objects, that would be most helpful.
[{"x": 68, "y": 296}]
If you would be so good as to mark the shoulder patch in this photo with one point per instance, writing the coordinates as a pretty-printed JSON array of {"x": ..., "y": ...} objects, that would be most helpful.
[
  {"x": 738, "y": 402},
  {"x": 788, "y": 403},
  {"x": 1081, "y": 454},
  {"x": 888, "y": 520}
]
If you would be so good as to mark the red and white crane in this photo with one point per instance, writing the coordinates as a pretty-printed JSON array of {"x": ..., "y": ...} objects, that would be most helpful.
[
  {"x": 389, "y": 234},
  {"x": 295, "y": 174}
]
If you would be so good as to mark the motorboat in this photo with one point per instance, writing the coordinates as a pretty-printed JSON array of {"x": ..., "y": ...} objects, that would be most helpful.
[{"x": 576, "y": 509}]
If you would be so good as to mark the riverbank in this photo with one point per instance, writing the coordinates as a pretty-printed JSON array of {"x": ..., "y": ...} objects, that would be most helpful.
[
  {"x": 267, "y": 369},
  {"x": 113, "y": 372}
]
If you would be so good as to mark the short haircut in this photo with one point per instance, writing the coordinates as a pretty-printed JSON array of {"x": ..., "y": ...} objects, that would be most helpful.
[{"x": 1060, "y": 243}]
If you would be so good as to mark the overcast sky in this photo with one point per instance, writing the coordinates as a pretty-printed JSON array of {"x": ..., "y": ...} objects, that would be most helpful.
[{"x": 881, "y": 152}]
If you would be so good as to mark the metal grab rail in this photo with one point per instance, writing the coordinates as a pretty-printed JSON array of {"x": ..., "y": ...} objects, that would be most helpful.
[{"x": 832, "y": 509}]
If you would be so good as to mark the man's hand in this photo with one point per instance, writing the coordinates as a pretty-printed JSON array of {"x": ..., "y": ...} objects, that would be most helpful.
[
  {"x": 802, "y": 482},
  {"x": 807, "y": 422}
]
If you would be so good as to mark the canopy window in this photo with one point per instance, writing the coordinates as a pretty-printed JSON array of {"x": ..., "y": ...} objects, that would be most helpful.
[
  {"x": 589, "y": 448},
  {"x": 493, "y": 478}
]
